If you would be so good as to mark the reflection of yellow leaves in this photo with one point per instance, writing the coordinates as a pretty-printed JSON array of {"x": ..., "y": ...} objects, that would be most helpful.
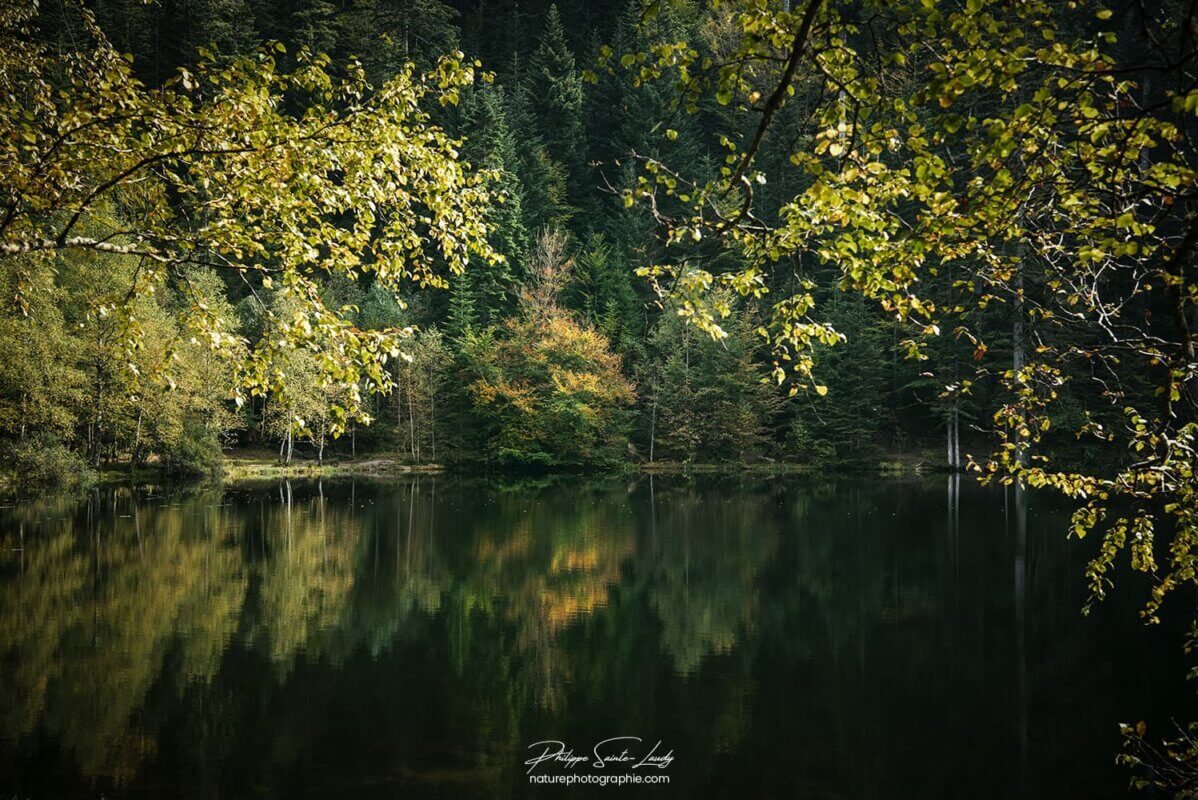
[
  {"x": 560, "y": 609},
  {"x": 515, "y": 546},
  {"x": 94, "y": 636},
  {"x": 581, "y": 572},
  {"x": 581, "y": 558},
  {"x": 307, "y": 581},
  {"x": 545, "y": 564}
]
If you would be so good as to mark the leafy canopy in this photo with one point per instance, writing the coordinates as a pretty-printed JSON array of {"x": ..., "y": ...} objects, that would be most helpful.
[
  {"x": 1021, "y": 146},
  {"x": 272, "y": 177}
]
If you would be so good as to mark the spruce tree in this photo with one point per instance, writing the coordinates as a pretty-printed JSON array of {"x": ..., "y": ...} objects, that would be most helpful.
[
  {"x": 461, "y": 319},
  {"x": 490, "y": 145},
  {"x": 706, "y": 400},
  {"x": 542, "y": 179},
  {"x": 556, "y": 85},
  {"x": 314, "y": 25},
  {"x": 387, "y": 34},
  {"x": 601, "y": 292}
]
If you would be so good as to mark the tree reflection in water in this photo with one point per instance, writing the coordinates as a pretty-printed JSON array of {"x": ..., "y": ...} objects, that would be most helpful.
[{"x": 354, "y": 638}]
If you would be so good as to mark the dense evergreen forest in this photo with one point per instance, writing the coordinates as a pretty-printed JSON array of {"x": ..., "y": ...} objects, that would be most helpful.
[{"x": 484, "y": 380}]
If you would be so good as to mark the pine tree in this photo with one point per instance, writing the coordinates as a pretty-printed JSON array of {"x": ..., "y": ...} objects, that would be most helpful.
[
  {"x": 602, "y": 293},
  {"x": 544, "y": 389},
  {"x": 556, "y": 85},
  {"x": 542, "y": 180},
  {"x": 315, "y": 25},
  {"x": 490, "y": 145},
  {"x": 387, "y": 34},
  {"x": 853, "y": 423},
  {"x": 166, "y": 35},
  {"x": 462, "y": 318},
  {"x": 706, "y": 400}
]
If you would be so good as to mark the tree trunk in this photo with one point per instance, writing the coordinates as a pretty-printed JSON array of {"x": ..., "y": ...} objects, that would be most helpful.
[
  {"x": 432, "y": 423},
  {"x": 407, "y": 31},
  {"x": 1018, "y": 358},
  {"x": 653, "y": 428},
  {"x": 98, "y": 416},
  {"x": 288, "y": 443},
  {"x": 948, "y": 440},
  {"x": 412, "y": 424},
  {"x": 136, "y": 458},
  {"x": 957, "y": 434},
  {"x": 401, "y": 389}
]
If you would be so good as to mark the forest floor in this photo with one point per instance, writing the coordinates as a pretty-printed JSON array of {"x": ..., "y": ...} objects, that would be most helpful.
[
  {"x": 895, "y": 464},
  {"x": 262, "y": 464}
]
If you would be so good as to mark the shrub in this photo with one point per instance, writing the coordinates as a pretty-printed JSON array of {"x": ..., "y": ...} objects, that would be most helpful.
[
  {"x": 45, "y": 462},
  {"x": 194, "y": 453}
]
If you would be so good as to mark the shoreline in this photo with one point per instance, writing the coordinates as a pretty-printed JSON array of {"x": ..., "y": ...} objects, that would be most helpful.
[
  {"x": 236, "y": 469},
  {"x": 249, "y": 467}
]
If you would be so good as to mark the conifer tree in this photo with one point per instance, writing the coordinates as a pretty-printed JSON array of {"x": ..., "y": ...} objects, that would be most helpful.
[
  {"x": 601, "y": 291},
  {"x": 706, "y": 400},
  {"x": 556, "y": 84},
  {"x": 387, "y": 34},
  {"x": 491, "y": 146},
  {"x": 544, "y": 389},
  {"x": 542, "y": 180},
  {"x": 461, "y": 318}
]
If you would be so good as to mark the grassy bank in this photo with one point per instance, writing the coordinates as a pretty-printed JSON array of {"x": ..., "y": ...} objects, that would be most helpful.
[
  {"x": 891, "y": 464},
  {"x": 252, "y": 466},
  {"x": 243, "y": 466}
]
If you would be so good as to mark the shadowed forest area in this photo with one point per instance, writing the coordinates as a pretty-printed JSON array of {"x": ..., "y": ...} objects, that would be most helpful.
[{"x": 482, "y": 382}]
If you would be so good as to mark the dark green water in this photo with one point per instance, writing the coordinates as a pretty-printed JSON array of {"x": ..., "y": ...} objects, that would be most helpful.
[{"x": 366, "y": 639}]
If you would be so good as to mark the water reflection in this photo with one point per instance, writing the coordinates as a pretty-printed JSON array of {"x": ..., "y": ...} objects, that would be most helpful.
[{"x": 355, "y": 639}]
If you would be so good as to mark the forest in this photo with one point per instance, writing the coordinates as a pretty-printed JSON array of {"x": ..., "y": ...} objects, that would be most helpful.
[
  {"x": 482, "y": 378},
  {"x": 547, "y": 340}
]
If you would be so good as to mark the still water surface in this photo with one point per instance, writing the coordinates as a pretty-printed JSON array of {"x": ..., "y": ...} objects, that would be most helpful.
[{"x": 359, "y": 639}]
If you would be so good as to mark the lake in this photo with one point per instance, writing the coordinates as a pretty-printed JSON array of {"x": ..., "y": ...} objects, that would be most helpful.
[{"x": 428, "y": 638}]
